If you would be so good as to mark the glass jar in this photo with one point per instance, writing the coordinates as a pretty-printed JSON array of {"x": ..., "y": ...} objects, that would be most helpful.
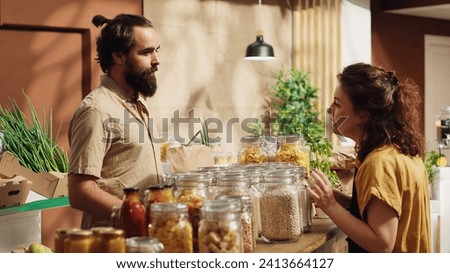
[
  {"x": 143, "y": 245},
  {"x": 192, "y": 189},
  {"x": 115, "y": 217},
  {"x": 270, "y": 145},
  {"x": 251, "y": 151},
  {"x": 132, "y": 214},
  {"x": 162, "y": 193},
  {"x": 248, "y": 221},
  {"x": 443, "y": 127},
  {"x": 170, "y": 225},
  {"x": 61, "y": 235},
  {"x": 232, "y": 183},
  {"x": 113, "y": 241},
  {"x": 292, "y": 150},
  {"x": 279, "y": 207},
  {"x": 97, "y": 242},
  {"x": 220, "y": 228},
  {"x": 78, "y": 241}
]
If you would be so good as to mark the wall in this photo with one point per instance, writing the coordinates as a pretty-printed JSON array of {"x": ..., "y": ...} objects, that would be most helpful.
[
  {"x": 47, "y": 49},
  {"x": 398, "y": 42},
  {"x": 202, "y": 67}
]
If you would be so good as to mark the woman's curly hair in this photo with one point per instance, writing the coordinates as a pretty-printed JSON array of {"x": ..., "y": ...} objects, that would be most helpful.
[{"x": 392, "y": 107}]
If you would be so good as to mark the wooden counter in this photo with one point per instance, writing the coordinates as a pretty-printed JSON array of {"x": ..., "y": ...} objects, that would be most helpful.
[{"x": 324, "y": 236}]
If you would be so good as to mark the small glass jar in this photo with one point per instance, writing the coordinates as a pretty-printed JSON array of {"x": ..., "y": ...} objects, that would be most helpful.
[
  {"x": 78, "y": 241},
  {"x": 220, "y": 229},
  {"x": 132, "y": 214},
  {"x": 192, "y": 189},
  {"x": 143, "y": 245},
  {"x": 251, "y": 151},
  {"x": 443, "y": 127},
  {"x": 162, "y": 193},
  {"x": 97, "y": 242},
  {"x": 113, "y": 241},
  {"x": 292, "y": 150},
  {"x": 61, "y": 235},
  {"x": 115, "y": 217},
  {"x": 279, "y": 207},
  {"x": 170, "y": 225}
]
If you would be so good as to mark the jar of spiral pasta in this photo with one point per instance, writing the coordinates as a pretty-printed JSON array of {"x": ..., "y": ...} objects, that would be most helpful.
[
  {"x": 170, "y": 225},
  {"x": 292, "y": 149},
  {"x": 251, "y": 151},
  {"x": 220, "y": 227}
]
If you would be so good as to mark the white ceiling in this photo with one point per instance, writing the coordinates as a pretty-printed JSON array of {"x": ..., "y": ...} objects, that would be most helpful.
[{"x": 436, "y": 11}]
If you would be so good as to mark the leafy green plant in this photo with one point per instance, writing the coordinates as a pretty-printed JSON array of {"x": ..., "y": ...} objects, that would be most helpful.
[
  {"x": 431, "y": 159},
  {"x": 31, "y": 141},
  {"x": 295, "y": 102},
  {"x": 204, "y": 135}
]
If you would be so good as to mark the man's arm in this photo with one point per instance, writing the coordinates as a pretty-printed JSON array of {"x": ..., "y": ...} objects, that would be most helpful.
[{"x": 85, "y": 195}]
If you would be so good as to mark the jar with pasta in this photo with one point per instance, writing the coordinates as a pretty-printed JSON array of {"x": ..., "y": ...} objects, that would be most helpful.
[
  {"x": 251, "y": 151},
  {"x": 292, "y": 150},
  {"x": 170, "y": 225},
  {"x": 191, "y": 189},
  {"x": 279, "y": 207},
  {"x": 220, "y": 228}
]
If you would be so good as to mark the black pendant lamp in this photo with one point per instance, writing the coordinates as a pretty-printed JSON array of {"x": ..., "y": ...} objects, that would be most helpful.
[{"x": 259, "y": 50}]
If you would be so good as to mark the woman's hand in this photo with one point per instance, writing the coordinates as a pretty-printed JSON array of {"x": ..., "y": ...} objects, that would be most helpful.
[{"x": 321, "y": 191}]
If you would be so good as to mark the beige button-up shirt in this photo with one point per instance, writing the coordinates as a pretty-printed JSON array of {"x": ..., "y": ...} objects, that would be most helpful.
[{"x": 110, "y": 140}]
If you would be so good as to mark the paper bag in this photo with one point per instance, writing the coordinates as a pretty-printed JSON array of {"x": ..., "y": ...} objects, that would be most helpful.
[{"x": 189, "y": 158}]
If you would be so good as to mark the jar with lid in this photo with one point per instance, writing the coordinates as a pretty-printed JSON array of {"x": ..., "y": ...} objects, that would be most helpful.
[
  {"x": 61, "y": 235},
  {"x": 443, "y": 127},
  {"x": 170, "y": 225},
  {"x": 232, "y": 183},
  {"x": 192, "y": 189},
  {"x": 220, "y": 228},
  {"x": 248, "y": 221},
  {"x": 304, "y": 199},
  {"x": 161, "y": 193},
  {"x": 270, "y": 145},
  {"x": 292, "y": 150},
  {"x": 132, "y": 214},
  {"x": 97, "y": 242},
  {"x": 251, "y": 151},
  {"x": 112, "y": 241},
  {"x": 279, "y": 207},
  {"x": 143, "y": 245},
  {"x": 115, "y": 217},
  {"x": 78, "y": 241}
]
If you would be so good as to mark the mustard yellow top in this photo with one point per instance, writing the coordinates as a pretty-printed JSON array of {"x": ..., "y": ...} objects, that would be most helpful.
[{"x": 402, "y": 183}]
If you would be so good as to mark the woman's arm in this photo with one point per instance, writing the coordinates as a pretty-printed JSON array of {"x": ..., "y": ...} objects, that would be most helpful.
[{"x": 377, "y": 235}]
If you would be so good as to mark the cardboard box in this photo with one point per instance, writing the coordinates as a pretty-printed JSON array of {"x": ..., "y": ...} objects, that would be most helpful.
[
  {"x": 14, "y": 191},
  {"x": 48, "y": 184}
]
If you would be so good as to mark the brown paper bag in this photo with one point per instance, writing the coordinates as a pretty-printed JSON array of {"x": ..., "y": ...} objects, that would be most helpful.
[{"x": 188, "y": 158}]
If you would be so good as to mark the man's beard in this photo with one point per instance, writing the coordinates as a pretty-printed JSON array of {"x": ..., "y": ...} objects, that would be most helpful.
[{"x": 143, "y": 82}]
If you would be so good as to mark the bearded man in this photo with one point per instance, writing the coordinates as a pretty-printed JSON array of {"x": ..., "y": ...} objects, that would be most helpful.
[{"x": 111, "y": 140}]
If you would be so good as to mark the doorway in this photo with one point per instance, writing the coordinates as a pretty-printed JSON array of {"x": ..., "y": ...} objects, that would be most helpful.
[{"x": 437, "y": 85}]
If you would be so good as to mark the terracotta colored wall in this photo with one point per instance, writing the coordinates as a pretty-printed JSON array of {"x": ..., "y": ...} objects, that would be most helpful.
[
  {"x": 47, "y": 49},
  {"x": 398, "y": 42}
]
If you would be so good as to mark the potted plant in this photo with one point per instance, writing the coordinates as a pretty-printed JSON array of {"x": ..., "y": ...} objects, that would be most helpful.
[{"x": 295, "y": 101}]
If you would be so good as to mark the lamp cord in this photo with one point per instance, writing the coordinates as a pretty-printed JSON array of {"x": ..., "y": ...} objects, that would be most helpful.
[{"x": 260, "y": 16}]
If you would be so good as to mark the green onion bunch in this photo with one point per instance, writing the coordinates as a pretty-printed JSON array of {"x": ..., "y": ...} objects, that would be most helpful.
[{"x": 30, "y": 141}]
